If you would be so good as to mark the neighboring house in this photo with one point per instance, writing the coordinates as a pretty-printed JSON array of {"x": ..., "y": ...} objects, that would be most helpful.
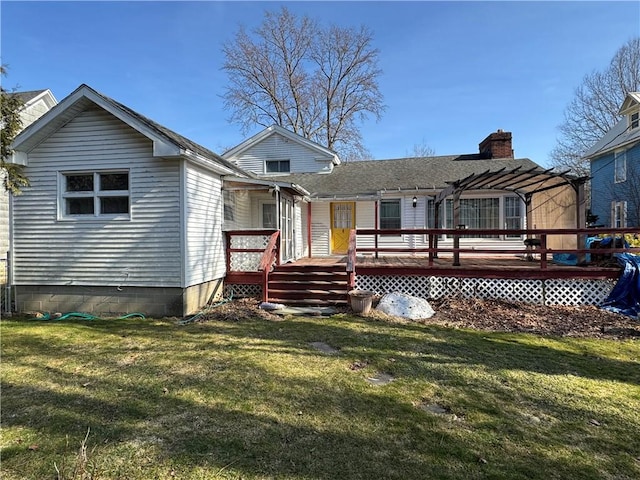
[
  {"x": 122, "y": 215},
  {"x": 393, "y": 194},
  {"x": 615, "y": 169},
  {"x": 36, "y": 103}
]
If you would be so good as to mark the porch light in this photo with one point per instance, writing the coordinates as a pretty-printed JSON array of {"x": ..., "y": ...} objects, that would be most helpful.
[{"x": 415, "y": 202}]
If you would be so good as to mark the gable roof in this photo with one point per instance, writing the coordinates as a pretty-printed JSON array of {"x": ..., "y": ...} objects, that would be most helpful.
[
  {"x": 277, "y": 129},
  {"x": 370, "y": 178},
  {"x": 631, "y": 102},
  {"x": 166, "y": 142},
  {"x": 620, "y": 135},
  {"x": 32, "y": 96}
]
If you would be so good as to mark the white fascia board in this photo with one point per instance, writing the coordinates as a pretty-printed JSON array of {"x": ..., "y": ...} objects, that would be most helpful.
[
  {"x": 18, "y": 158},
  {"x": 46, "y": 96},
  {"x": 344, "y": 198},
  {"x": 294, "y": 137},
  {"x": 63, "y": 112},
  {"x": 208, "y": 163}
]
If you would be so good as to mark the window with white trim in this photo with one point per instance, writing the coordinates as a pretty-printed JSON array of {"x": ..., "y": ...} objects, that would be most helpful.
[
  {"x": 278, "y": 166},
  {"x": 620, "y": 173},
  {"x": 634, "y": 120},
  {"x": 269, "y": 214},
  {"x": 475, "y": 213},
  {"x": 512, "y": 215},
  {"x": 229, "y": 205},
  {"x": 390, "y": 214},
  {"x": 619, "y": 214},
  {"x": 87, "y": 195}
]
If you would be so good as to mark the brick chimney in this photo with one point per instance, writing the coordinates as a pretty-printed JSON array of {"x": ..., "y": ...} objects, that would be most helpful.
[{"x": 497, "y": 145}]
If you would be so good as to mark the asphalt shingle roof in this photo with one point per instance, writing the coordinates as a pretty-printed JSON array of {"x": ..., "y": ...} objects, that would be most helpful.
[
  {"x": 29, "y": 95},
  {"x": 372, "y": 176},
  {"x": 175, "y": 137}
]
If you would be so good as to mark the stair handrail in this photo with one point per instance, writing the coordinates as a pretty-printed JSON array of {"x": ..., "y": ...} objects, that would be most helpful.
[
  {"x": 270, "y": 257},
  {"x": 351, "y": 259}
]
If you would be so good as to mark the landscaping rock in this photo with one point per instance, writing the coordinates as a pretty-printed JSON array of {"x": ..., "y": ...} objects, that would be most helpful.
[{"x": 405, "y": 306}]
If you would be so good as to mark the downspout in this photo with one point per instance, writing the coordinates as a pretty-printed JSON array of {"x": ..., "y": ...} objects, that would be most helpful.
[{"x": 309, "y": 228}]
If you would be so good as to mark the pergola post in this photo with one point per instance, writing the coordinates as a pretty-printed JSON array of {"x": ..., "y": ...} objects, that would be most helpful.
[{"x": 581, "y": 217}]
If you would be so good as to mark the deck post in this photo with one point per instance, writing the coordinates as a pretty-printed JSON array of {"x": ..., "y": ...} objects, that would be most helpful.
[
  {"x": 581, "y": 220},
  {"x": 456, "y": 223},
  {"x": 431, "y": 255},
  {"x": 377, "y": 225}
]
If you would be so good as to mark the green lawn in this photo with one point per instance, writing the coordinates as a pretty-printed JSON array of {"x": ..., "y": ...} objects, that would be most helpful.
[{"x": 256, "y": 400}]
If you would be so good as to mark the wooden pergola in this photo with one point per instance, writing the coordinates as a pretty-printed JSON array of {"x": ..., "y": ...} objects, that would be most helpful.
[{"x": 523, "y": 183}]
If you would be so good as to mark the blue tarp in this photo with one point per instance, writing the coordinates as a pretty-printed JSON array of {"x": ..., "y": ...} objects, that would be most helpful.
[{"x": 625, "y": 296}]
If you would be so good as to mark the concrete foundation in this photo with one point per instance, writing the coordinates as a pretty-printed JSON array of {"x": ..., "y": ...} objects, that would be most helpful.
[{"x": 111, "y": 302}]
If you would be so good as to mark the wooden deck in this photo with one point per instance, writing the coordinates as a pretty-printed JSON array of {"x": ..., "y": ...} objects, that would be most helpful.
[{"x": 471, "y": 266}]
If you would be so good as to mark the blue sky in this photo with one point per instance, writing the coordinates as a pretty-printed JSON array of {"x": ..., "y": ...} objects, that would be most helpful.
[{"x": 453, "y": 72}]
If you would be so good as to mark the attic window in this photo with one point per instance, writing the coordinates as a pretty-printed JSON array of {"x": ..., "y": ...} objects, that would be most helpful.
[
  {"x": 277, "y": 166},
  {"x": 89, "y": 195},
  {"x": 634, "y": 120}
]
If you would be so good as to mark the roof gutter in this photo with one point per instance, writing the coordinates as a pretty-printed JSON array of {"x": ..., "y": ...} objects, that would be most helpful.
[
  {"x": 207, "y": 163},
  {"x": 269, "y": 183}
]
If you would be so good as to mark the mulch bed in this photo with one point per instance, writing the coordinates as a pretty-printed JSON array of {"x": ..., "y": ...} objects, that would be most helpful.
[
  {"x": 486, "y": 315},
  {"x": 502, "y": 316}
]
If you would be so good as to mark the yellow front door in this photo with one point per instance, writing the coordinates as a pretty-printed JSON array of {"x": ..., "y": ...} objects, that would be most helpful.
[{"x": 343, "y": 216}]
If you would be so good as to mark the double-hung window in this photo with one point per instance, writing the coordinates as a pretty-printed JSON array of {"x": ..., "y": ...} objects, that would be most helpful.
[
  {"x": 634, "y": 120},
  {"x": 620, "y": 166},
  {"x": 390, "y": 215},
  {"x": 619, "y": 214},
  {"x": 278, "y": 166},
  {"x": 89, "y": 195}
]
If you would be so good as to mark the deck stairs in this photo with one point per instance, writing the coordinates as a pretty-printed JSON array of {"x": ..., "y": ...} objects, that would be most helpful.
[{"x": 309, "y": 285}]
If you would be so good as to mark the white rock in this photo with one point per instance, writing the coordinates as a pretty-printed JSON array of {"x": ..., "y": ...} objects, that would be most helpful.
[{"x": 401, "y": 305}]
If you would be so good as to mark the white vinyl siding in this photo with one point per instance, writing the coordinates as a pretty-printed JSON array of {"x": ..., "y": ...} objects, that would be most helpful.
[
  {"x": 320, "y": 229},
  {"x": 276, "y": 148},
  {"x": 205, "y": 255},
  {"x": 299, "y": 229},
  {"x": 143, "y": 251},
  {"x": 33, "y": 112}
]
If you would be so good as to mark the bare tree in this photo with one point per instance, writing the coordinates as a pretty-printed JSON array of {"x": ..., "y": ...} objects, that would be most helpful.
[
  {"x": 594, "y": 108},
  {"x": 319, "y": 83},
  {"x": 421, "y": 150}
]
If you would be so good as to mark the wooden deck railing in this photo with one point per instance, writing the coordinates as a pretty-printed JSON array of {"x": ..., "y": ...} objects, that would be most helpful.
[
  {"x": 270, "y": 257},
  {"x": 251, "y": 255},
  {"x": 433, "y": 250},
  {"x": 351, "y": 259}
]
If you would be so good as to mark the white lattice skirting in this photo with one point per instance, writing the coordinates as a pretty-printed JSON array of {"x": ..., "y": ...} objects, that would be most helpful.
[
  {"x": 573, "y": 292},
  {"x": 570, "y": 292},
  {"x": 242, "y": 291}
]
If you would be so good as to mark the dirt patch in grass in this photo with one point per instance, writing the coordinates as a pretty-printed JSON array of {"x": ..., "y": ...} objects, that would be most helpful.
[
  {"x": 488, "y": 315},
  {"x": 240, "y": 310}
]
